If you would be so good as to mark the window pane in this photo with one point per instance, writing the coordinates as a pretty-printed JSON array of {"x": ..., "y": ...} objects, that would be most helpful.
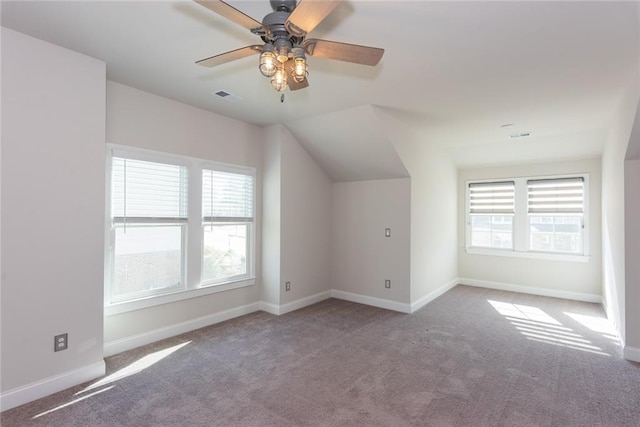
[
  {"x": 225, "y": 251},
  {"x": 492, "y": 231},
  {"x": 147, "y": 260},
  {"x": 556, "y": 233}
]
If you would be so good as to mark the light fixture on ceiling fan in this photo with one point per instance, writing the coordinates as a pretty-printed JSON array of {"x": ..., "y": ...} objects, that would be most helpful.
[{"x": 283, "y": 56}]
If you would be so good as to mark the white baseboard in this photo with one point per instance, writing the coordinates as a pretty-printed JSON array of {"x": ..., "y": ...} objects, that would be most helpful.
[
  {"x": 128, "y": 343},
  {"x": 576, "y": 296},
  {"x": 39, "y": 389},
  {"x": 631, "y": 353},
  {"x": 303, "y": 302},
  {"x": 270, "y": 308},
  {"x": 417, "y": 305},
  {"x": 376, "y": 302}
]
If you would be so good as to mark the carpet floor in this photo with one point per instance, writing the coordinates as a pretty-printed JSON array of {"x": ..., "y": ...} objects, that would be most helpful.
[{"x": 473, "y": 357}]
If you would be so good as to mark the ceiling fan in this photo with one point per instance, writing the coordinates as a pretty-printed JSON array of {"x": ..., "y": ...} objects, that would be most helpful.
[{"x": 283, "y": 55}]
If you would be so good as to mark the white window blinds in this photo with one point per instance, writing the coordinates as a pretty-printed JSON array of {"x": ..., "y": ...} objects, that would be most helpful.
[
  {"x": 563, "y": 195},
  {"x": 144, "y": 191},
  {"x": 227, "y": 196},
  {"x": 492, "y": 197}
]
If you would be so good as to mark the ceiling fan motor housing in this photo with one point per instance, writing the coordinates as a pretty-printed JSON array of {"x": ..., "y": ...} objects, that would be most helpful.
[
  {"x": 283, "y": 5},
  {"x": 276, "y": 32}
]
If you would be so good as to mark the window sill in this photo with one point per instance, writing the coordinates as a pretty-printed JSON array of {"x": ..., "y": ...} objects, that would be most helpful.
[
  {"x": 529, "y": 255},
  {"x": 151, "y": 301}
]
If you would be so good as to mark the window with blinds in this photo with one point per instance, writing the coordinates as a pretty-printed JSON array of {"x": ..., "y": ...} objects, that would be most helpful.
[
  {"x": 149, "y": 214},
  {"x": 492, "y": 197},
  {"x": 491, "y": 209},
  {"x": 226, "y": 196},
  {"x": 555, "y": 211},
  {"x": 143, "y": 191},
  {"x": 171, "y": 214},
  {"x": 543, "y": 217},
  {"x": 227, "y": 211},
  {"x": 565, "y": 195}
]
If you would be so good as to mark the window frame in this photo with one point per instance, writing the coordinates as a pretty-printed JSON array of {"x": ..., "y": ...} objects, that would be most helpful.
[
  {"x": 192, "y": 235},
  {"x": 521, "y": 222},
  {"x": 251, "y": 233},
  {"x": 490, "y": 209}
]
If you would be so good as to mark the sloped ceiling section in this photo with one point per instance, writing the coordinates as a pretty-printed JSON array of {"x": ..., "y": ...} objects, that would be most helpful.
[
  {"x": 349, "y": 145},
  {"x": 633, "y": 149}
]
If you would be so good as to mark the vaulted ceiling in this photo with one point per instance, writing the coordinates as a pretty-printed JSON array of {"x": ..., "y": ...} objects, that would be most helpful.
[{"x": 455, "y": 72}]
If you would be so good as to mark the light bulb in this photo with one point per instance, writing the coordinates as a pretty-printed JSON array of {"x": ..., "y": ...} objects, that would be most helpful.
[
  {"x": 300, "y": 69},
  {"x": 267, "y": 61},
  {"x": 279, "y": 80}
]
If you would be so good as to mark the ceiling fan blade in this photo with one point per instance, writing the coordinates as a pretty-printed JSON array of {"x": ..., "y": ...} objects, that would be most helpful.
[
  {"x": 232, "y": 55},
  {"x": 308, "y": 14},
  {"x": 291, "y": 82},
  {"x": 294, "y": 85},
  {"x": 231, "y": 13},
  {"x": 357, "y": 54}
]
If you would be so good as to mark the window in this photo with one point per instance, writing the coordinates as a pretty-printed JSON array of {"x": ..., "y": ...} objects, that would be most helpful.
[
  {"x": 227, "y": 206},
  {"x": 535, "y": 217},
  {"x": 149, "y": 220},
  {"x": 491, "y": 208},
  {"x": 556, "y": 210},
  {"x": 177, "y": 227}
]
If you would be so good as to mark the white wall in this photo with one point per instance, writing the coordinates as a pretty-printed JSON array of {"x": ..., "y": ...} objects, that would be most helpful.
[
  {"x": 139, "y": 119},
  {"x": 362, "y": 257},
  {"x": 305, "y": 223},
  {"x": 613, "y": 239},
  {"x": 434, "y": 204},
  {"x": 297, "y": 233},
  {"x": 271, "y": 215},
  {"x": 576, "y": 279},
  {"x": 632, "y": 251},
  {"x": 53, "y": 109},
  {"x": 632, "y": 241}
]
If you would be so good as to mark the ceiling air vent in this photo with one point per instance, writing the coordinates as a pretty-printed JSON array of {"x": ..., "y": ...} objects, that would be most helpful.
[
  {"x": 228, "y": 96},
  {"x": 519, "y": 135}
]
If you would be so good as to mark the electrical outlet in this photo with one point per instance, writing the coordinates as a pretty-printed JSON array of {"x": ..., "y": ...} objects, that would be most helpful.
[
  {"x": 387, "y": 232},
  {"x": 60, "y": 342},
  {"x": 387, "y": 284},
  {"x": 287, "y": 286}
]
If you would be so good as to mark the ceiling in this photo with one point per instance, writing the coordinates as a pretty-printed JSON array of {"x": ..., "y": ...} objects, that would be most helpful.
[{"x": 453, "y": 71}]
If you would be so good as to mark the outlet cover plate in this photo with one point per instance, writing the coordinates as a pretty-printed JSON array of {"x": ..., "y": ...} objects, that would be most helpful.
[{"x": 60, "y": 342}]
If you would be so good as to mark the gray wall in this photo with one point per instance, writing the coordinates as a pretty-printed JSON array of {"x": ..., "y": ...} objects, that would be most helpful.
[
  {"x": 297, "y": 212},
  {"x": 53, "y": 156},
  {"x": 362, "y": 257}
]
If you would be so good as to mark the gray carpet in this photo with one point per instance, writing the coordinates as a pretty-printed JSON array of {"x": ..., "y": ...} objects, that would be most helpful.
[{"x": 473, "y": 357}]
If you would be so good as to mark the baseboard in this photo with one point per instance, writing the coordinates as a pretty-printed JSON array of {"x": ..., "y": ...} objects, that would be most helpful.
[
  {"x": 39, "y": 389},
  {"x": 128, "y": 343},
  {"x": 375, "y": 302},
  {"x": 631, "y": 353},
  {"x": 576, "y": 296},
  {"x": 303, "y": 302},
  {"x": 270, "y": 308},
  {"x": 417, "y": 305}
]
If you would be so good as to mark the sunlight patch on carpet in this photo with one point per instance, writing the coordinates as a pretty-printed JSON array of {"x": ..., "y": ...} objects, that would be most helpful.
[
  {"x": 64, "y": 405},
  {"x": 137, "y": 366},
  {"x": 537, "y": 325},
  {"x": 600, "y": 325}
]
